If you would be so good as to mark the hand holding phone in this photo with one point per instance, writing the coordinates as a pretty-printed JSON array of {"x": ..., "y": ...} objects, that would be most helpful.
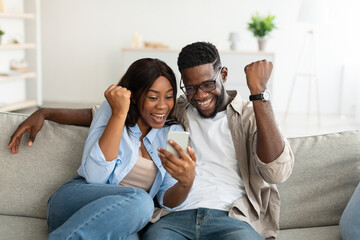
[{"x": 181, "y": 138}]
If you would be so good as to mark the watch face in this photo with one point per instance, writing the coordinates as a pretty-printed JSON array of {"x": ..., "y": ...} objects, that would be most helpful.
[{"x": 266, "y": 95}]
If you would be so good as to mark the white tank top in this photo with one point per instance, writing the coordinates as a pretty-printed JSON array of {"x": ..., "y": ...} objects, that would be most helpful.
[{"x": 142, "y": 175}]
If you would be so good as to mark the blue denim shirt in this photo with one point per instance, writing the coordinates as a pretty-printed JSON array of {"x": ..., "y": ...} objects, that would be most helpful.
[{"x": 95, "y": 169}]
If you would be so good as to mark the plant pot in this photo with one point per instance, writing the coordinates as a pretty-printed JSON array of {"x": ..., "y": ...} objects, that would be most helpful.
[
  {"x": 262, "y": 44},
  {"x": 0, "y": 40}
]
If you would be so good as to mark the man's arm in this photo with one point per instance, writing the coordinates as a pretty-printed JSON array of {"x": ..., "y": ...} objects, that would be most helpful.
[
  {"x": 269, "y": 141},
  {"x": 33, "y": 124}
]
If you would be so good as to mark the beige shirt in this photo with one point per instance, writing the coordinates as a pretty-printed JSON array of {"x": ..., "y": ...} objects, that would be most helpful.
[{"x": 261, "y": 206}]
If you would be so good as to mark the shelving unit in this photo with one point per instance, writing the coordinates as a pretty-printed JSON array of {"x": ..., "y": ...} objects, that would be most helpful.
[
  {"x": 22, "y": 89},
  {"x": 27, "y": 75}
]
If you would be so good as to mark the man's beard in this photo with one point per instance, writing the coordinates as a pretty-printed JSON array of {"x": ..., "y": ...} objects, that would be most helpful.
[{"x": 217, "y": 107}]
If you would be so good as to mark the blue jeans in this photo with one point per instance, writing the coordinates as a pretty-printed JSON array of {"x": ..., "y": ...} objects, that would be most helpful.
[
  {"x": 350, "y": 219},
  {"x": 79, "y": 210},
  {"x": 202, "y": 223}
]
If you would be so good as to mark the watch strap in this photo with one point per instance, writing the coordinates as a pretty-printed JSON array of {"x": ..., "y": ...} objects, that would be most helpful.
[{"x": 255, "y": 97}]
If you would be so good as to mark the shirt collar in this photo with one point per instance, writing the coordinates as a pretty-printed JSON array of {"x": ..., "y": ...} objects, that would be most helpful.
[
  {"x": 135, "y": 130},
  {"x": 236, "y": 102}
]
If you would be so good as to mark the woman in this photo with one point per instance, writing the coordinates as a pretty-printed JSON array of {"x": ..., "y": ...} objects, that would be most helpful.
[{"x": 121, "y": 170}]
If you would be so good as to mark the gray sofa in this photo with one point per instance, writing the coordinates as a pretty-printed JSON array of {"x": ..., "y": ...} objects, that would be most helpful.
[{"x": 326, "y": 172}]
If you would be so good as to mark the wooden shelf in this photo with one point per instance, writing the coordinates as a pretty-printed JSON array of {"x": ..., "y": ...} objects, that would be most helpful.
[
  {"x": 18, "y": 105},
  {"x": 18, "y": 76},
  {"x": 18, "y": 15},
  {"x": 18, "y": 46}
]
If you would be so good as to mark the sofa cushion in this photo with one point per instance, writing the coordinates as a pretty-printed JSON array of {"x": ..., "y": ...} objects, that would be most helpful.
[
  {"x": 29, "y": 177},
  {"x": 319, "y": 233},
  {"x": 25, "y": 228},
  {"x": 325, "y": 174}
]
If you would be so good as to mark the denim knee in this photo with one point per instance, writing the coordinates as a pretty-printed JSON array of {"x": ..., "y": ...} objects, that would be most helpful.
[
  {"x": 134, "y": 214},
  {"x": 74, "y": 195},
  {"x": 119, "y": 215},
  {"x": 142, "y": 203}
]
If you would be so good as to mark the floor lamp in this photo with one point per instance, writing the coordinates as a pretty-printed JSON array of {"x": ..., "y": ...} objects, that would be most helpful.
[{"x": 310, "y": 14}]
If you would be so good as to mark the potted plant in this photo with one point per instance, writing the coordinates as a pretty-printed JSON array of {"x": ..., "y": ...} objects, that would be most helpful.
[
  {"x": 1, "y": 33},
  {"x": 261, "y": 27}
]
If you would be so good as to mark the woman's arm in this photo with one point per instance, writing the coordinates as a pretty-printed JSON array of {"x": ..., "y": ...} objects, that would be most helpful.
[
  {"x": 34, "y": 123},
  {"x": 119, "y": 101},
  {"x": 102, "y": 144}
]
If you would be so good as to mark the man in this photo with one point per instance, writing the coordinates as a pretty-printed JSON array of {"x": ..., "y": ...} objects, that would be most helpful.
[{"x": 241, "y": 153}]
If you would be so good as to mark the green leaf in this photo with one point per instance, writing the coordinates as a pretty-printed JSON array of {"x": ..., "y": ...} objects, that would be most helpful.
[{"x": 261, "y": 26}]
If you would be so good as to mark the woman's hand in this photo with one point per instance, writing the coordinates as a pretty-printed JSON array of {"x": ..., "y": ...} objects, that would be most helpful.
[
  {"x": 119, "y": 99},
  {"x": 183, "y": 168}
]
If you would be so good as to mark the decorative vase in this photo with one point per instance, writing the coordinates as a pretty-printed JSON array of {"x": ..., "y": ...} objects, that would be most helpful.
[
  {"x": 234, "y": 38},
  {"x": 262, "y": 44}
]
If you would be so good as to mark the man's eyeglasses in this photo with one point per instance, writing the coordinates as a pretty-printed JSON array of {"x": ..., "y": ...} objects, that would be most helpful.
[{"x": 206, "y": 86}]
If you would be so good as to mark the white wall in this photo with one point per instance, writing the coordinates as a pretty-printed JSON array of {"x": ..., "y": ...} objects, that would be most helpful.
[{"x": 82, "y": 41}]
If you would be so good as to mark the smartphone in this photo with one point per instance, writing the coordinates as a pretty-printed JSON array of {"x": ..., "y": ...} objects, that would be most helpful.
[{"x": 181, "y": 138}]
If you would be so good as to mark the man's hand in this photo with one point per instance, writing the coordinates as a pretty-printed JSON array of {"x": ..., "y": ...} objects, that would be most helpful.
[
  {"x": 183, "y": 168},
  {"x": 257, "y": 75},
  {"x": 33, "y": 124},
  {"x": 119, "y": 99}
]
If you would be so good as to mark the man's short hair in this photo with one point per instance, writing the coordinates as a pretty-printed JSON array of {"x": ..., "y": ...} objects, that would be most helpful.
[{"x": 198, "y": 53}]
